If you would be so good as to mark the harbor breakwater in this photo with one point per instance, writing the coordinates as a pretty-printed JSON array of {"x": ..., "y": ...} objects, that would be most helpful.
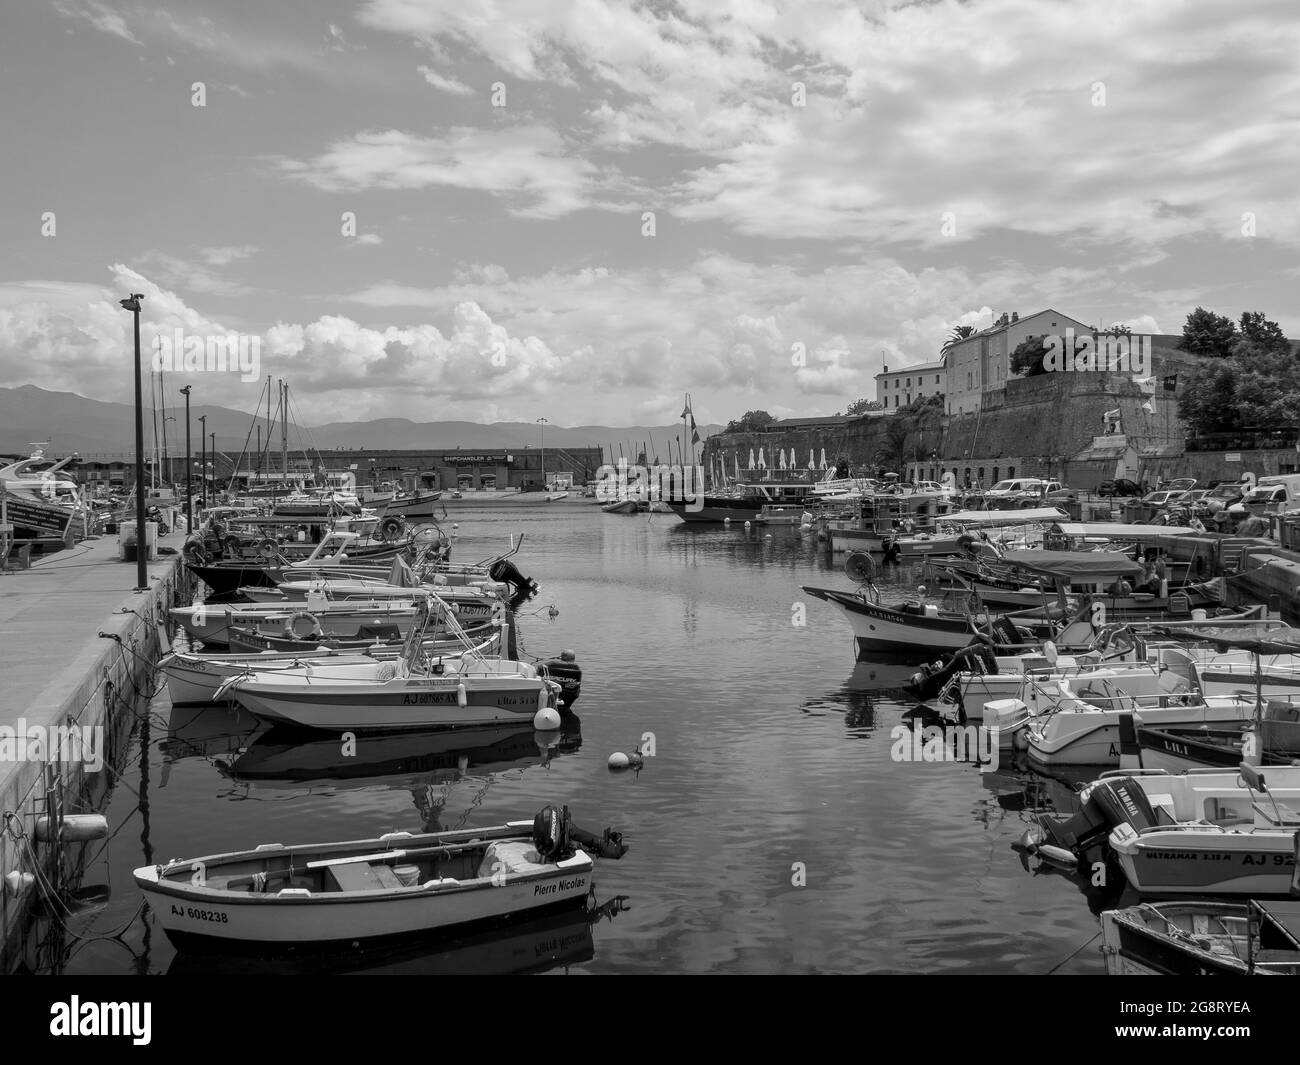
[{"x": 77, "y": 644}]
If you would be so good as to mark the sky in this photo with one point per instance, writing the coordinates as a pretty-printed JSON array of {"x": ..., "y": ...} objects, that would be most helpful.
[{"x": 583, "y": 210}]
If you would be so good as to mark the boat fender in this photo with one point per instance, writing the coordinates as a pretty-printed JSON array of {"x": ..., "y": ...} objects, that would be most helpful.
[
  {"x": 546, "y": 720},
  {"x": 1058, "y": 856},
  {"x": 311, "y": 630},
  {"x": 19, "y": 884},
  {"x": 619, "y": 760},
  {"x": 462, "y": 697},
  {"x": 77, "y": 828},
  {"x": 1032, "y": 838}
]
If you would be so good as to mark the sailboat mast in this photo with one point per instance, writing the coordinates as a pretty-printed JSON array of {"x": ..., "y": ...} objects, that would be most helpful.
[{"x": 284, "y": 426}]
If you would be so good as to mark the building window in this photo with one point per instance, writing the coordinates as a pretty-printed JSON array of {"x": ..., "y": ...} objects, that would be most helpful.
[
  {"x": 970, "y": 381},
  {"x": 936, "y": 379},
  {"x": 995, "y": 475},
  {"x": 895, "y": 401},
  {"x": 981, "y": 480},
  {"x": 909, "y": 382},
  {"x": 1011, "y": 472}
]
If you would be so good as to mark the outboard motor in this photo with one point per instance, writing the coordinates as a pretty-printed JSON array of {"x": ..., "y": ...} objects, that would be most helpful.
[
  {"x": 522, "y": 588},
  {"x": 566, "y": 672},
  {"x": 556, "y": 837},
  {"x": 1106, "y": 804},
  {"x": 930, "y": 680}
]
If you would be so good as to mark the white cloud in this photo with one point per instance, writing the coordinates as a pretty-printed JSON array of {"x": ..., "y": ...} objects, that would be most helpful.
[
  {"x": 446, "y": 84},
  {"x": 101, "y": 16},
  {"x": 529, "y": 167}
]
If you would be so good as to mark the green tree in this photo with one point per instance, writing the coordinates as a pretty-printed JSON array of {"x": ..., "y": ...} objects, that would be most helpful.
[
  {"x": 1208, "y": 402},
  {"x": 1266, "y": 335},
  {"x": 892, "y": 452},
  {"x": 752, "y": 421},
  {"x": 861, "y": 406},
  {"x": 1027, "y": 359},
  {"x": 1207, "y": 333}
]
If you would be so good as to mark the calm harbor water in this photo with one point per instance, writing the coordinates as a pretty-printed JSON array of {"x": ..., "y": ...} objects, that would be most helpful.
[{"x": 772, "y": 758}]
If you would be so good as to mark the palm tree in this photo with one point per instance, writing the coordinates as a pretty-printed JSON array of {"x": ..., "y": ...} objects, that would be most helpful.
[
  {"x": 893, "y": 451},
  {"x": 956, "y": 333}
]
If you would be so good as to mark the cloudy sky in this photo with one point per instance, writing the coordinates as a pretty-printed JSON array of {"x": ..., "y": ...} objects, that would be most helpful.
[{"x": 843, "y": 179}]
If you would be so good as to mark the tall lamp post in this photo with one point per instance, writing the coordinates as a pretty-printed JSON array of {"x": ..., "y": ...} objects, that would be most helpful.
[
  {"x": 203, "y": 460},
  {"x": 213, "y": 449},
  {"x": 542, "y": 423},
  {"x": 189, "y": 463},
  {"x": 141, "y": 561}
]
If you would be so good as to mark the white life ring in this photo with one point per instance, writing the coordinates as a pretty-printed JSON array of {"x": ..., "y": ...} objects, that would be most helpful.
[{"x": 312, "y": 631}]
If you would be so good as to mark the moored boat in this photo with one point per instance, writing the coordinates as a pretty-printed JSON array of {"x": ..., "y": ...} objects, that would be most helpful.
[
  {"x": 343, "y": 895},
  {"x": 1202, "y": 938}
]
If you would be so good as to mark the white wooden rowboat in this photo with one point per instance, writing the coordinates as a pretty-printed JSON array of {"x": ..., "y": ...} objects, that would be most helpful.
[{"x": 342, "y": 895}]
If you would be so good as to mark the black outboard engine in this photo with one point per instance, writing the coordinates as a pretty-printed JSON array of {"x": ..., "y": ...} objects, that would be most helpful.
[
  {"x": 556, "y": 837},
  {"x": 930, "y": 680},
  {"x": 566, "y": 672},
  {"x": 522, "y": 588},
  {"x": 1107, "y": 803}
]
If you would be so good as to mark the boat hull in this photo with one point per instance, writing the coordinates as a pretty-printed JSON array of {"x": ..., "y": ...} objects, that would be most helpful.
[
  {"x": 884, "y": 629},
  {"x": 1215, "y": 862},
  {"x": 199, "y": 914}
]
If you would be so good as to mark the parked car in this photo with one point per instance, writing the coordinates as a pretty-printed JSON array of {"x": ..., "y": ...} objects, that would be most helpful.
[
  {"x": 1121, "y": 486},
  {"x": 1020, "y": 492},
  {"x": 1219, "y": 496},
  {"x": 1161, "y": 498},
  {"x": 1178, "y": 484}
]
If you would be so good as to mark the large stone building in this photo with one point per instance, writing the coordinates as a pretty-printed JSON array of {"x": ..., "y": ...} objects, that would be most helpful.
[
  {"x": 981, "y": 363},
  {"x": 897, "y": 388}
]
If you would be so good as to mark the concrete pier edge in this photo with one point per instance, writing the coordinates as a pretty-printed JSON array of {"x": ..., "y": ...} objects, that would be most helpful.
[{"x": 93, "y": 681}]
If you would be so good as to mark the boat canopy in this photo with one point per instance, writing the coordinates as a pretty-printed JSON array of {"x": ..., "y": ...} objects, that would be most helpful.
[
  {"x": 1004, "y": 517},
  {"x": 1073, "y": 565},
  {"x": 1284, "y": 641},
  {"x": 1118, "y": 531}
]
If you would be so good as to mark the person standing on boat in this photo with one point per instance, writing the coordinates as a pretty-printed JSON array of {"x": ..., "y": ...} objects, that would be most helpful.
[{"x": 1148, "y": 581}]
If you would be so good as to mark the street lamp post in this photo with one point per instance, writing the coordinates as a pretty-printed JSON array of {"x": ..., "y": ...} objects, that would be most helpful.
[
  {"x": 141, "y": 562},
  {"x": 213, "y": 449},
  {"x": 203, "y": 460},
  {"x": 189, "y": 463},
  {"x": 542, "y": 423}
]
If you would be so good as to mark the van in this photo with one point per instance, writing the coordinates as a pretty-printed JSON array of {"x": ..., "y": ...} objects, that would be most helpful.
[
  {"x": 1020, "y": 492},
  {"x": 1273, "y": 495}
]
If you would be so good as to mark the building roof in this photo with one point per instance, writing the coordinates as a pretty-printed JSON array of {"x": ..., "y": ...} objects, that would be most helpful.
[
  {"x": 1103, "y": 449},
  {"x": 921, "y": 367},
  {"x": 1000, "y": 326},
  {"x": 791, "y": 423}
]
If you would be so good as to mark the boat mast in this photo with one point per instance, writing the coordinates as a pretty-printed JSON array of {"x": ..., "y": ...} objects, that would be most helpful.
[
  {"x": 542, "y": 423},
  {"x": 284, "y": 427}
]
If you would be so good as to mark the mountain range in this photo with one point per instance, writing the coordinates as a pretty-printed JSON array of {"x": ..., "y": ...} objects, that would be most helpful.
[{"x": 66, "y": 422}]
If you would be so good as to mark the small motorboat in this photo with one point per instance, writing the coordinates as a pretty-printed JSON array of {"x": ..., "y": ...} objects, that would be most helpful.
[
  {"x": 1200, "y": 832},
  {"x": 341, "y": 896},
  {"x": 1202, "y": 939}
]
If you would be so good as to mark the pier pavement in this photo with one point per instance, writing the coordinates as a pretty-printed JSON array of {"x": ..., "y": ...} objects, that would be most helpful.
[{"x": 55, "y": 668}]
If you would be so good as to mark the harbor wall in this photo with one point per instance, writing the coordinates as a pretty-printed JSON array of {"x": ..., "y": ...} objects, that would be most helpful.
[
  {"x": 95, "y": 678},
  {"x": 1032, "y": 427}
]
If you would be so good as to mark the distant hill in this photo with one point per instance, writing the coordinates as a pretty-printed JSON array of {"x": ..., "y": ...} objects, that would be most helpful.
[{"x": 69, "y": 422}]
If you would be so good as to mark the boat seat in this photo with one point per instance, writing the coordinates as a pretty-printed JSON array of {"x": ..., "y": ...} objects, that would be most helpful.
[
  {"x": 355, "y": 876},
  {"x": 514, "y": 856},
  {"x": 386, "y": 877},
  {"x": 1281, "y": 817}
]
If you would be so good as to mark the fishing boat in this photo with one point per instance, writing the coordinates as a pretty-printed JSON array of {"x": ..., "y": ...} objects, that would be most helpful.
[
  {"x": 341, "y": 896},
  {"x": 624, "y": 506},
  {"x": 918, "y": 627},
  {"x": 1202, "y": 938},
  {"x": 1199, "y": 832},
  {"x": 413, "y": 509},
  {"x": 196, "y": 678},
  {"x": 211, "y": 623}
]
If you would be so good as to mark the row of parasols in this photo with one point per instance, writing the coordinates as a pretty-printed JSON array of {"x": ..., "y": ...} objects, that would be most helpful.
[{"x": 780, "y": 462}]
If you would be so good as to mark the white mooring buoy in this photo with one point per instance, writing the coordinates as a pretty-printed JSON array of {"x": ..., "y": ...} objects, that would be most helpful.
[{"x": 547, "y": 719}]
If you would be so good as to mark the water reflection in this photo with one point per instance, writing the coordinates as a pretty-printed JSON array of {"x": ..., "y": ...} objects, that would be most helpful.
[{"x": 537, "y": 946}]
